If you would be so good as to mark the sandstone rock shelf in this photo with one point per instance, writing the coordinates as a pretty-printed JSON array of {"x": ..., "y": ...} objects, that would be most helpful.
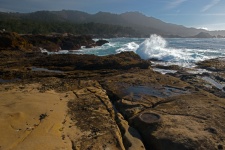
[{"x": 110, "y": 102}]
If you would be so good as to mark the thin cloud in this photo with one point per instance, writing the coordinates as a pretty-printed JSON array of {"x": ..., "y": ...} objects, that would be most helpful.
[
  {"x": 216, "y": 14},
  {"x": 204, "y": 28},
  {"x": 6, "y": 10},
  {"x": 175, "y": 4},
  {"x": 214, "y": 26},
  {"x": 210, "y": 5},
  {"x": 195, "y": 14}
]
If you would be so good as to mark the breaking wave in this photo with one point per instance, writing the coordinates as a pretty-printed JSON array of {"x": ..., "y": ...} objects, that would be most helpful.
[
  {"x": 132, "y": 46},
  {"x": 180, "y": 51},
  {"x": 156, "y": 47}
]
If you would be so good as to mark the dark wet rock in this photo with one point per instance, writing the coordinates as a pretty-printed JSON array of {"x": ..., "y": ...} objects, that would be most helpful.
[
  {"x": 13, "y": 41},
  {"x": 58, "y": 42},
  {"x": 75, "y": 42},
  {"x": 212, "y": 81},
  {"x": 124, "y": 60},
  {"x": 171, "y": 67},
  {"x": 101, "y": 42},
  {"x": 213, "y": 64}
]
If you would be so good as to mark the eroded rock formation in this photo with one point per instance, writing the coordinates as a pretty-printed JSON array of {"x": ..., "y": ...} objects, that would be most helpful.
[
  {"x": 115, "y": 101},
  {"x": 14, "y": 41}
]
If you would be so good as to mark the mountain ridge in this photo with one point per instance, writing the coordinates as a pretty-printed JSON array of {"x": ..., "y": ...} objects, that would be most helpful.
[{"x": 143, "y": 24}]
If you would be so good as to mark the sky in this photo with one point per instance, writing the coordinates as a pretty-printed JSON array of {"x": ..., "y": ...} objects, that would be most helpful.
[{"x": 206, "y": 14}]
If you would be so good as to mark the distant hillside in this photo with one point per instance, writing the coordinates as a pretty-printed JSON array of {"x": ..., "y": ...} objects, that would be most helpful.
[{"x": 137, "y": 23}]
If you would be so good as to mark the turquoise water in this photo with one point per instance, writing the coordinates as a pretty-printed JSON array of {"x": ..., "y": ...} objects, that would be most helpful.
[{"x": 180, "y": 51}]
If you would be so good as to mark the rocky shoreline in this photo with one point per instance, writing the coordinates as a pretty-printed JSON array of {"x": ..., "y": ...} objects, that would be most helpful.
[{"x": 109, "y": 102}]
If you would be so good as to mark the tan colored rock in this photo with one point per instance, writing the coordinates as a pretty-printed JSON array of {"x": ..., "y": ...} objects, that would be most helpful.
[
  {"x": 30, "y": 119},
  {"x": 189, "y": 118},
  {"x": 33, "y": 118},
  {"x": 131, "y": 138},
  {"x": 92, "y": 117}
]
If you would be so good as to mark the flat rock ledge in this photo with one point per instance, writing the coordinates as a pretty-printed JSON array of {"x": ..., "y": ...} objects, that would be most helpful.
[{"x": 110, "y": 102}]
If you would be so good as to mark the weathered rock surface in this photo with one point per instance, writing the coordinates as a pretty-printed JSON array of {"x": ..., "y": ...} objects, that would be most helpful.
[
  {"x": 184, "y": 118},
  {"x": 183, "y": 111},
  {"x": 58, "y": 42},
  {"x": 14, "y": 41},
  {"x": 131, "y": 137},
  {"x": 93, "y": 118},
  {"x": 91, "y": 62},
  {"x": 213, "y": 64}
]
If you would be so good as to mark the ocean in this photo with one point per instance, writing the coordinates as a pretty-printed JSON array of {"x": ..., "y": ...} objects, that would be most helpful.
[{"x": 184, "y": 52}]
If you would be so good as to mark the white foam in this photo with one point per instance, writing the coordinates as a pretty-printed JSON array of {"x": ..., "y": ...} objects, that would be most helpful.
[
  {"x": 182, "y": 52},
  {"x": 59, "y": 52},
  {"x": 110, "y": 44},
  {"x": 132, "y": 46},
  {"x": 43, "y": 50},
  {"x": 156, "y": 47}
]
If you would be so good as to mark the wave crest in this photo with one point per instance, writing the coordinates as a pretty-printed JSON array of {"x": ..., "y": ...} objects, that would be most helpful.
[
  {"x": 152, "y": 47},
  {"x": 156, "y": 47},
  {"x": 132, "y": 46}
]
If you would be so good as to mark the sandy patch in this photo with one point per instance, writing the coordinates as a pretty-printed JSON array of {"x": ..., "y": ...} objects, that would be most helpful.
[{"x": 33, "y": 120}]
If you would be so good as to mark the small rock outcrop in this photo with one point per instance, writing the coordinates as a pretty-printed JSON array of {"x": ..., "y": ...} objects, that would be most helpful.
[
  {"x": 101, "y": 42},
  {"x": 58, "y": 42},
  {"x": 53, "y": 43},
  {"x": 13, "y": 41}
]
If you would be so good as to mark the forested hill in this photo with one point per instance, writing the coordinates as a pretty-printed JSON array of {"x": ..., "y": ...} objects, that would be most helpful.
[
  {"x": 46, "y": 22},
  {"x": 40, "y": 27},
  {"x": 130, "y": 24}
]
